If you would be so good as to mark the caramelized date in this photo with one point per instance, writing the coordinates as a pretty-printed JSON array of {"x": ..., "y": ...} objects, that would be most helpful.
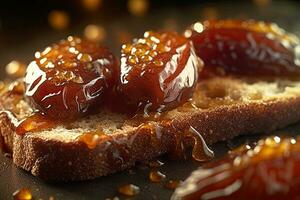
[
  {"x": 245, "y": 48},
  {"x": 158, "y": 71},
  {"x": 66, "y": 79},
  {"x": 269, "y": 170}
]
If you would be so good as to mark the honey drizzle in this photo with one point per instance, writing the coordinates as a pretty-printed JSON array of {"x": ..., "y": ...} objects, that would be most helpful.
[
  {"x": 22, "y": 194},
  {"x": 38, "y": 122},
  {"x": 34, "y": 123},
  {"x": 201, "y": 152},
  {"x": 156, "y": 176},
  {"x": 92, "y": 138},
  {"x": 129, "y": 190},
  {"x": 155, "y": 163}
]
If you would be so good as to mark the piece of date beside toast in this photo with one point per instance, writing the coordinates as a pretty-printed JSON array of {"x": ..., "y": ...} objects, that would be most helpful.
[{"x": 220, "y": 109}]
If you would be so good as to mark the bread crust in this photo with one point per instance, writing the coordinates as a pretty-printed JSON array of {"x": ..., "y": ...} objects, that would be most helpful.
[{"x": 73, "y": 161}]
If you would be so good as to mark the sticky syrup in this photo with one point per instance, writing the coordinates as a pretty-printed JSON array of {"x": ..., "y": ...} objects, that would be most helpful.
[
  {"x": 155, "y": 164},
  {"x": 156, "y": 176},
  {"x": 91, "y": 139},
  {"x": 129, "y": 190},
  {"x": 200, "y": 151},
  {"x": 35, "y": 123},
  {"x": 22, "y": 194}
]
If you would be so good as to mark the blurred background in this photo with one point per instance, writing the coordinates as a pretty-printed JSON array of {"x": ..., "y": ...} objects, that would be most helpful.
[{"x": 28, "y": 26}]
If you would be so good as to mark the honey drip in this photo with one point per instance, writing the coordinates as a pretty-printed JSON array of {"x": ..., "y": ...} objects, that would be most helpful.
[
  {"x": 91, "y": 139},
  {"x": 22, "y": 194},
  {"x": 201, "y": 152},
  {"x": 155, "y": 164},
  {"x": 129, "y": 190},
  {"x": 34, "y": 123},
  {"x": 156, "y": 176}
]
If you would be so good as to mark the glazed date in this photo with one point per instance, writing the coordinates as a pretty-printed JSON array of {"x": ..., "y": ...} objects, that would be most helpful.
[
  {"x": 269, "y": 170},
  {"x": 245, "y": 48},
  {"x": 66, "y": 79},
  {"x": 158, "y": 71}
]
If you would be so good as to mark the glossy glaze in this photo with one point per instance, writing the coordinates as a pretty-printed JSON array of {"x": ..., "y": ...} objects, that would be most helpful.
[
  {"x": 129, "y": 190},
  {"x": 156, "y": 176},
  {"x": 158, "y": 71},
  {"x": 69, "y": 78},
  {"x": 245, "y": 48},
  {"x": 268, "y": 170},
  {"x": 22, "y": 194}
]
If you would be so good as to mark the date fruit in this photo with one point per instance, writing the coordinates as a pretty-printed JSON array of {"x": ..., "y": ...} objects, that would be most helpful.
[
  {"x": 268, "y": 170},
  {"x": 245, "y": 48},
  {"x": 158, "y": 71},
  {"x": 66, "y": 79}
]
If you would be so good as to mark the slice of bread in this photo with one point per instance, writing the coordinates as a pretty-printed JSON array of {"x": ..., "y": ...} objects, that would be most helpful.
[{"x": 221, "y": 108}]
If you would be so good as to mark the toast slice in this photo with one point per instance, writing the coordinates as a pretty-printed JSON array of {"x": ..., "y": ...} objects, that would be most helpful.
[{"x": 221, "y": 108}]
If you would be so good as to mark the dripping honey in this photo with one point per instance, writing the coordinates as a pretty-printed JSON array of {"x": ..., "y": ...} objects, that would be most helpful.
[
  {"x": 129, "y": 190},
  {"x": 22, "y": 194},
  {"x": 156, "y": 176}
]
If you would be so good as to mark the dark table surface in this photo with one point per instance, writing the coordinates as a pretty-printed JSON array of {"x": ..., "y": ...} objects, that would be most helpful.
[{"x": 285, "y": 13}]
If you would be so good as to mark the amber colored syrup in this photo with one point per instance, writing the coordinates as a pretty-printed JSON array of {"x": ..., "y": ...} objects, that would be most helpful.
[
  {"x": 201, "y": 152},
  {"x": 155, "y": 163},
  {"x": 129, "y": 190},
  {"x": 91, "y": 139},
  {"x": 22, "y": 194},
  {"x": 156, "y": 176},
  {"x": 34, "y": 123}
]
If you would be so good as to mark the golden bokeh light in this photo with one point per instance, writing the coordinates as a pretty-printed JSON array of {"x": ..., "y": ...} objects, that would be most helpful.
[
  {"x": 95, "y": 33},
  {"x": 91, "y": 5},
  {"x": 187, "y": 33},
  {"x": 198, "y": 27},
  {"x": 138, "y": 7},
  {"x": 15, "y": 69},
  {"x": 58, "y": 19}
]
